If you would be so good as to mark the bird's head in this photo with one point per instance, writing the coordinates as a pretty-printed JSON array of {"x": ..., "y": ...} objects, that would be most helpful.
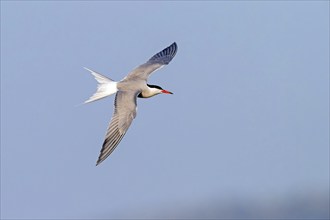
[{"x": 152, "y": 91}]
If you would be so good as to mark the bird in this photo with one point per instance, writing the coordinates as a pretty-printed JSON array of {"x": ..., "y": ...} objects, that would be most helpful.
[{"x": 131, "y": 87}]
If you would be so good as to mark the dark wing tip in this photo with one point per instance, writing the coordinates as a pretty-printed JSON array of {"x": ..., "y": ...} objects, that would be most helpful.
[
  {"x": 165, "y": 56},
  {"x": 109, "y": 145},
  {"x": 106, "y": 150}
]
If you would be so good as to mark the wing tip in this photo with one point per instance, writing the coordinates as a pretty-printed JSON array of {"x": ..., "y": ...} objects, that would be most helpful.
[
  {"x": 165, "y": 56},
  {"x": 174, "y": 45},
  {"x": 100, "y": 160},
  {"x": 172, "y": 48}
]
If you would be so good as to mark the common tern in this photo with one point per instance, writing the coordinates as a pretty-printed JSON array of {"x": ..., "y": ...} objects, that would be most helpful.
[{"x": 133, "y": 86}]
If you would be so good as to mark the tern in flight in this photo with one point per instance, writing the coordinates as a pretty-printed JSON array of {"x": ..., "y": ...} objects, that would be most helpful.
[{"x": 133, "y": 86}]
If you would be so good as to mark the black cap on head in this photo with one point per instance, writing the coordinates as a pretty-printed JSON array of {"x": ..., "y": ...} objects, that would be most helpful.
[{"x": 155, "y": 86}]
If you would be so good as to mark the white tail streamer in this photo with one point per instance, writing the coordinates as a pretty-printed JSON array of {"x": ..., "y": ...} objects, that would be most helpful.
[{"x": 105, "y": 87}]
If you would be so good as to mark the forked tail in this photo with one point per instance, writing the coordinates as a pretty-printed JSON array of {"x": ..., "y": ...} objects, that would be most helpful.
[{"x": 105, "y": 87}]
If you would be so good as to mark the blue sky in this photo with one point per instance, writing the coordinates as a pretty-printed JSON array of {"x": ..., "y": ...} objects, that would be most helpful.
[{"x": 248, "y": 121}]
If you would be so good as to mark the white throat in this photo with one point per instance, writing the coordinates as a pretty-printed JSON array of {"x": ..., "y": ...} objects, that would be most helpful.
[{"x": 150, "y": 92}]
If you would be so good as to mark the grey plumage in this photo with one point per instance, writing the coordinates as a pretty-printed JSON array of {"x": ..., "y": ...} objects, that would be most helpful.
[
  {"x": 155, "y": 62},
  {"x": 121, "y": 120},
  {"x": 128, "y": 89}
]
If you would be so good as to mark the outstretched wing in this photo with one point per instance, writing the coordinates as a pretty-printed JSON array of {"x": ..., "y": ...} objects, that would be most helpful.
[
  {"x": 160, "y": 59},
  {"x": 124, "y": 113}
]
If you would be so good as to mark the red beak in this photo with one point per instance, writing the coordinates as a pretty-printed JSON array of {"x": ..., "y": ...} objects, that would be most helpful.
[{"x": 166, "y": 92}]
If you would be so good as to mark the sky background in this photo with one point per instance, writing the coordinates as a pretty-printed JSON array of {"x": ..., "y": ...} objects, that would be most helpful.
[{"x": 246, "y": 133}]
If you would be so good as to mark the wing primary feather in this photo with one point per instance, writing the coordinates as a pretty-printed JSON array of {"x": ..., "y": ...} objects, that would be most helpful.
[
  {"x": 165, "y": 56},
  {"x": 107, "y": 151},
  {"x": 125, "y": 108},
  {"x": 108, "y": 144},
  {"x": 157, "y": 61}
]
